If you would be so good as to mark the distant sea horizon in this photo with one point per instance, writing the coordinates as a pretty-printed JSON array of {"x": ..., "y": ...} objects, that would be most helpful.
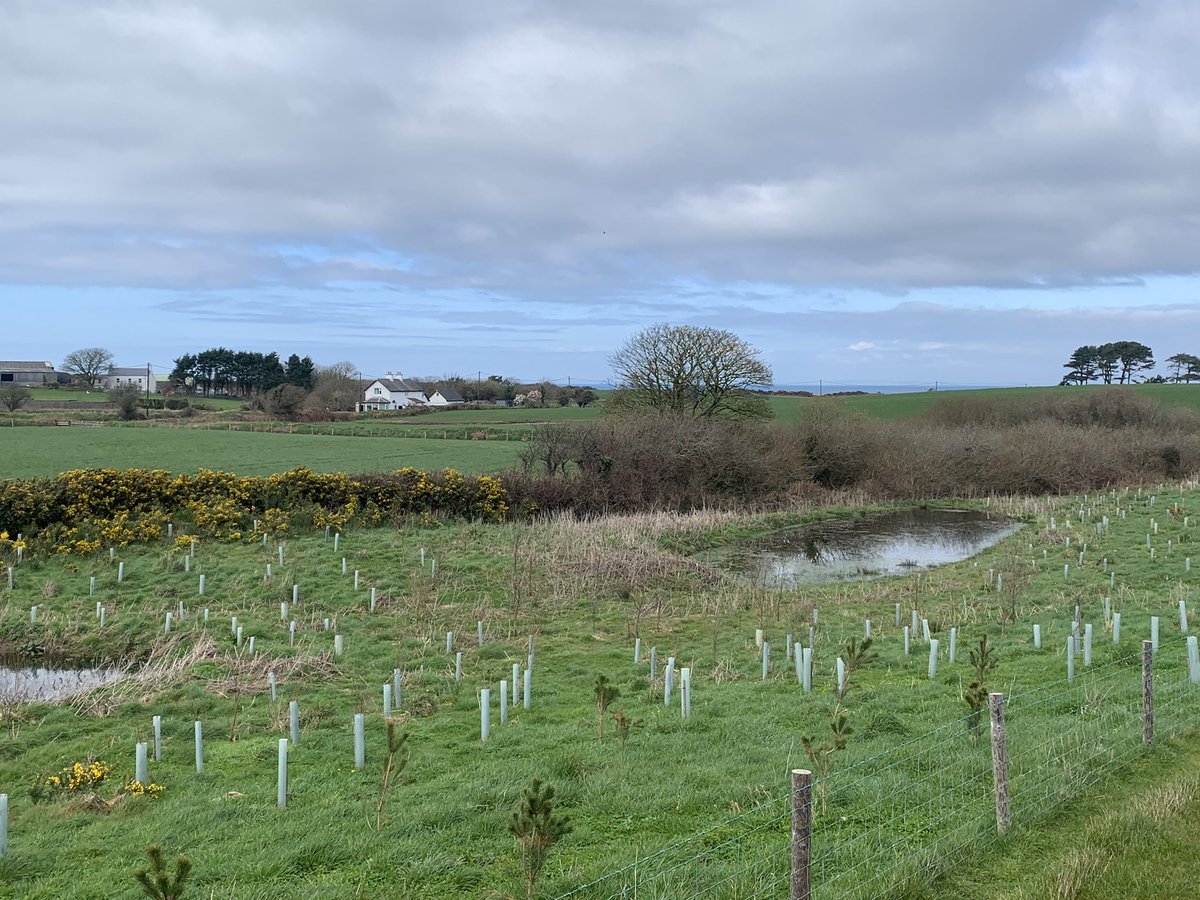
[
  {"x": 838, "y": 387},
  {"x": 834, "y": 387}
]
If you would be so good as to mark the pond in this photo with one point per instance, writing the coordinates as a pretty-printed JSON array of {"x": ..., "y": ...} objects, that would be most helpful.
[
  {"x": 45, "y": 685},
  {"x": 893, "y": 543}
]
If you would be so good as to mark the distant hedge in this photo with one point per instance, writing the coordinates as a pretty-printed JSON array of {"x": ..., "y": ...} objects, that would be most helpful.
[{"x": 83, "y": 510}]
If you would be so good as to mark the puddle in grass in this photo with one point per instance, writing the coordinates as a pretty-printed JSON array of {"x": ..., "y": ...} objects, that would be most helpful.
[
  {"x": 22, "y": 682},
  {"x": 851, "y": 549}
]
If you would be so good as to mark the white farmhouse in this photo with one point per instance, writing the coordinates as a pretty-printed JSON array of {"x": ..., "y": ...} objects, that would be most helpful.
[
  {"x": 446, "y": 397},
  {"x": 392, "y": 392},
  {"x": 121, "y": 377}
]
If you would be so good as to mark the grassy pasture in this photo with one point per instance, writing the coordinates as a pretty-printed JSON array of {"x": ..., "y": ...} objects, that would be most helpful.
[
  {"x": 585, "y": 589},
  {"x": 515, "y": 415},
  {"x": 1133, "y": 837},
  {"x": 901, "y": 406},
  {"x": 27, "y": 452}
]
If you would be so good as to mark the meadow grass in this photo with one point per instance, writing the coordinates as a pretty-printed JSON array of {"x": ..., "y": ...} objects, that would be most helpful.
[
  {"x": 584, "y": 589},
  {"x": 29, "y": 452}
]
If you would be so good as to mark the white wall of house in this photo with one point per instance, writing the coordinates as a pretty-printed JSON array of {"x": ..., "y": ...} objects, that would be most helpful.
[
  {"x": 390, "y": 395},
  {"x": 438, "y": 399},
  {"x": 121, "y": 378}
]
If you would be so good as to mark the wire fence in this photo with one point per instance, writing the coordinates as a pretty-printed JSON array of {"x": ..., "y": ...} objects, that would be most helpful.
[{"x": 898, "y": 819}]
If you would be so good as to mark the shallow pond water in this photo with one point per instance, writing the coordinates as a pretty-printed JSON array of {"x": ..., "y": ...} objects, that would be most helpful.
[
  {"x": 42, "y": 685},
  {"x": 893, "y": 543}
]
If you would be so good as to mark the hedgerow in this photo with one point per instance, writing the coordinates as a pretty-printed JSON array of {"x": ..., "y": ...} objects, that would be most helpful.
[{"x": 85, "y": 509}]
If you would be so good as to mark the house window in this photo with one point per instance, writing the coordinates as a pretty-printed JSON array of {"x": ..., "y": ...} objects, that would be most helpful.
[{"x": 6, "y": 376}]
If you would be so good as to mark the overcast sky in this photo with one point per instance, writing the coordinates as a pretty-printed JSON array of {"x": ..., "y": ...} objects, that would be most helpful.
[{"x": 869, "y": 191}]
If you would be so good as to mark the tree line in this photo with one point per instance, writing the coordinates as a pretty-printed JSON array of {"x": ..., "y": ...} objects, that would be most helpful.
[
  {"x": 1120, "y": 362},
  {"x": 219, "y": 370}
]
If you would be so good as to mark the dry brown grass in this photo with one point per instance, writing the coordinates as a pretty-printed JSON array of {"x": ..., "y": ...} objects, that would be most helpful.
[
  {"x": 1078, "y": 869},
  {"x": 173, "y": 661},
  {"x": 1163, "y": 804}
]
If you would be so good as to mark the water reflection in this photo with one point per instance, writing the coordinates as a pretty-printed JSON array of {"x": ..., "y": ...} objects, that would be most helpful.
[
  {"x": 29, "y": 685},
  {"x": 850, "y": 549}
]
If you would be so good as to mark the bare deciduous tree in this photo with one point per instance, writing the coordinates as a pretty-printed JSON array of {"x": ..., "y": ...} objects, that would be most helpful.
[
  {"x": 704, "y": 372},
  {"x": 337, "y": 387},
  {"x": 88, "y": 365},
  {"x": 14, "y": 396},
  {"x": 125, "y": 399}
]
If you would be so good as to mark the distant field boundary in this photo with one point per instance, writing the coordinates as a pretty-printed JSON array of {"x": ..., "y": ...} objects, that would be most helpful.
[
  {"x": 42, "y": 405},
  {"x": 349, "y": 429}
]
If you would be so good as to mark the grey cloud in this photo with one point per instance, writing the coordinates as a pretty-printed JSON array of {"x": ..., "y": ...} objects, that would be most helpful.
[{"x": 595, "y": 153}]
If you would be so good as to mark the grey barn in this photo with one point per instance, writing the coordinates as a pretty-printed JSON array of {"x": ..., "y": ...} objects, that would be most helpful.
[{"x": 28, "y": 374}]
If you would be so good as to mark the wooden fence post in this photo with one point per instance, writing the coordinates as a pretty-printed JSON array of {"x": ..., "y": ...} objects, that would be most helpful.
[
  {"x": 801, "y": 834},
  {"x": 1147, "y": 692},
  {"x": 1000, "y": 763}
]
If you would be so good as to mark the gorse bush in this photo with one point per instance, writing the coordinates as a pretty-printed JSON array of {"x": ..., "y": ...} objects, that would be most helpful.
[
  {"x": 73, "y": 779},
  {"x": 83, "y": 510}
]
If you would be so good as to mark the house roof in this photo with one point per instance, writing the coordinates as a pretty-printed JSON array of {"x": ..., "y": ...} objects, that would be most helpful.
[
  {"x": 399, "y": 385},
  {"x": 11, "y": 365},
  {"x": 450, "y": 395},
  {"x": 127, "y": 371}
]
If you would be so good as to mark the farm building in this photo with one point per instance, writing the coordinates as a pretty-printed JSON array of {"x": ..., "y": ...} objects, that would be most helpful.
[
  {"x": 28, "y": 374},
  {"x": 390, "y": 393},
  {"x": 121, "y": 377},
  {"x": 446, "y": 397}
]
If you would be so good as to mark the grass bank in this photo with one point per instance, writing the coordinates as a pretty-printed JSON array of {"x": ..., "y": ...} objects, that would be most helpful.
[{"x": 585, "y": 590}]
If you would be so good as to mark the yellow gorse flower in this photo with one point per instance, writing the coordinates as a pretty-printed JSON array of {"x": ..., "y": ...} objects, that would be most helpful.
[
  {"x": 79, "y": 776},
  {"x": 85, "y": 510}
]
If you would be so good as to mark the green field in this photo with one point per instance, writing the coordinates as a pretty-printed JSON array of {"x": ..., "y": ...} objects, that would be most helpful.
[
  {"x": 900, "y": 406},
  {"x": 32, "y": 451},
  {"x": 906, "y": 807},
  {"x": 67, "y": 397},
  {"x": 511, "y": 416}
]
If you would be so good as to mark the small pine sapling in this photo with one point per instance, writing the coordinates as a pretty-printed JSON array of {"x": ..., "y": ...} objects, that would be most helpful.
[
  {"x": 393, "y": 765},
  {"x": 624, "y": 725},
  {"x": 157, "y": 882},
  {"x": 537, "y": 829},
  {"x": 855, "y": 654},
  {"x": 983, "y": 660},
  {"x": 606, "y": 693}
]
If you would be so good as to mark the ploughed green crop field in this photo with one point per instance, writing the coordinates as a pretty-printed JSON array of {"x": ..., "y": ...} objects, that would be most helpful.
[
  {"x": 680, "y": 805},
  {"x": 42, "y": 451}
]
